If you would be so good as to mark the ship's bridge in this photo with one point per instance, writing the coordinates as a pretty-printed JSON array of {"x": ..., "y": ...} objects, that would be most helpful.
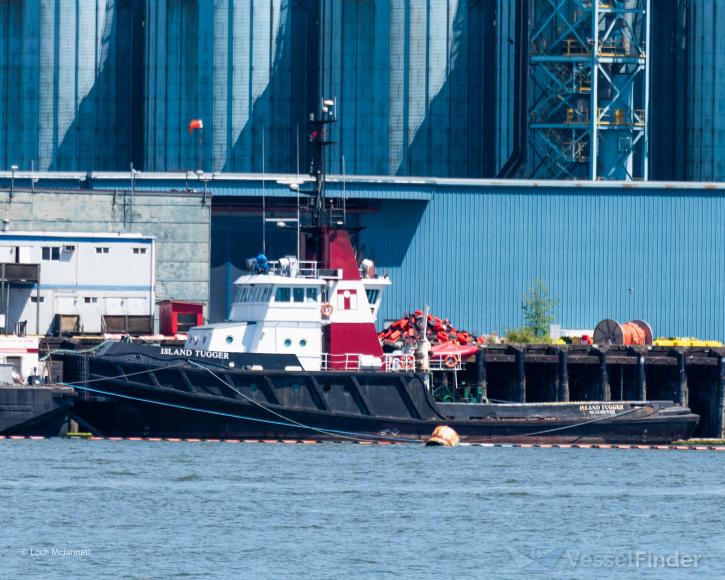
[{"x": 282, "y": 306}]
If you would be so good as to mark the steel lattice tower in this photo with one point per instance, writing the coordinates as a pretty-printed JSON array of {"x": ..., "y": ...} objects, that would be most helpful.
[{"x": 589, "y": 89}]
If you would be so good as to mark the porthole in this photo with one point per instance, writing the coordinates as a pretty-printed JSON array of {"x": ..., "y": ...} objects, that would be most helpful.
[
  {"x": 288, "y": 342},
  {"x": 230, "y": 339},
  {"x": 303, "y": 343}
]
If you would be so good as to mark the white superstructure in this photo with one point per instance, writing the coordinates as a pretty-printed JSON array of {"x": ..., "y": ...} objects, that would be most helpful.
[{"x": 281, "y": 308}]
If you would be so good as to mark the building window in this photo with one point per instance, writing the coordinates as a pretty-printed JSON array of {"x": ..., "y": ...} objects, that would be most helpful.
[
  {"x": 51, "y": 253},
  {"x": 139, "y": 250},
  {"x": 34, "y": 299},
  {"x": 103, "y": 250},
  {"x": 91, "y": 300}
]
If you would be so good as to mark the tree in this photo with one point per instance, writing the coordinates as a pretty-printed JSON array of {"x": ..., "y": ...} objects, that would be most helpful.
[{"x": 537, "y": 307}]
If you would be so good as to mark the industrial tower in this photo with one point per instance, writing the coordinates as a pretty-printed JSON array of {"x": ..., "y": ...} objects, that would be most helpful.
[{"x": 589, "y": 89}]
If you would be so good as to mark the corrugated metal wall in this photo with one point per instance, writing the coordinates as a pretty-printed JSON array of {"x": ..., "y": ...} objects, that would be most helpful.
[
  {"x": 471, "y": 252},
  {"x": 66, "y": 83},
  {"x": 239, "y": 65},
  {"x": 706, "y": 96},
  {"x": 422, "y": 87}
]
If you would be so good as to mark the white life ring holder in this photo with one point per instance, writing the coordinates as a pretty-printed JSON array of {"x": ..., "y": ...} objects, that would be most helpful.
[
  {"x": 451, "y": 361},
  {"x": 326, "y": 310}
]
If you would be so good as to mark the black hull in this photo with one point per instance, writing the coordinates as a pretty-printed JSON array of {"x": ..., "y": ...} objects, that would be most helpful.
[
  {"x": 35, "y": 410},
  {"x": 112, "y": 417},
  {"x": 131, "y": 394}
]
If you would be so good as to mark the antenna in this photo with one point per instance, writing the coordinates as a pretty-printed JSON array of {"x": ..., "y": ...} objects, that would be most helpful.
[
  {"x": 264, "y": 202},
  {"x": 319, "y": 141}
]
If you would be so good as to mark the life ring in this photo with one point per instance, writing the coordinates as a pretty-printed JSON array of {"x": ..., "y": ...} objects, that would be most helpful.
[
  {"x": 326, "y": 310},
  {"x": 406, "y": 362},
  {"x": 451, "y": 361}
]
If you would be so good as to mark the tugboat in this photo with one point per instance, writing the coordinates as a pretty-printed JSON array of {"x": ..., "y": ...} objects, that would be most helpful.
[{"x": 300, "y": 359}]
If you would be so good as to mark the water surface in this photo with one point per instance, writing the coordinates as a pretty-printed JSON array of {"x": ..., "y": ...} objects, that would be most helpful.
[{"x": 109, "y": 509}]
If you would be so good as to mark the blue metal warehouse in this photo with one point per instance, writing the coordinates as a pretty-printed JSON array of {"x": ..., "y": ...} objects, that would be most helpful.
[{"x": 469, "y": 248}]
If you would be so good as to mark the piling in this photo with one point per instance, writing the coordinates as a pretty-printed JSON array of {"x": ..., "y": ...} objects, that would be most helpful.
[
  {"x": 520, "y": 377},
  {"x": 682, "y": 394},
  {"x": 719, "y": 406},
  {"x": 481, "y": 381},
  {"x": 562, "y": 377},
  {"x": 605, "y": 393},
  {"x": 641, "y": 379}
]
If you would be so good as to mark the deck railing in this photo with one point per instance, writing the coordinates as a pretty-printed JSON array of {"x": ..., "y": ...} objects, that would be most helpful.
[{"x": 391, "y": 363}]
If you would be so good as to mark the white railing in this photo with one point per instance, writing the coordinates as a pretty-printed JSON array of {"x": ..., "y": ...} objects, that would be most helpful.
[
  {"x": 300, "y": 268},
  {"x": 392, "y": 363},
  {"x": 340, "y": 362},
  {"x": 450, "y": 362},
  {"x": 395, "y": 363}
]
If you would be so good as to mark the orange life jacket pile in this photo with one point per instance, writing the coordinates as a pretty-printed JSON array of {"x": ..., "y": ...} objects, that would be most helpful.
[{"x": 438, "y": 331}]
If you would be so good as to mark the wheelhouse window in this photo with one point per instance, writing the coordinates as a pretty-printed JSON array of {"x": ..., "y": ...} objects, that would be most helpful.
[
  {"x": 373, "y": 295},
  {"x": 310, "y": 294},
  {"x": 282, "y": 294},
  {"x": 298, "y": 294},
  {"x": 50, "y": 253},
  {"x": 102, "y": 250},
  {"x": 252, "y": 293},
  {"x": 139, "y": 250}
]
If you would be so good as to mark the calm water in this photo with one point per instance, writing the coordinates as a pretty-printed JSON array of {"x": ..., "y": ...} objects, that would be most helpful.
[{"x": 105, "y": 509}]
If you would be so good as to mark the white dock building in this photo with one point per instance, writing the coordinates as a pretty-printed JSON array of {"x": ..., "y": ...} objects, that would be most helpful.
[{"x": 52, "y": 283}]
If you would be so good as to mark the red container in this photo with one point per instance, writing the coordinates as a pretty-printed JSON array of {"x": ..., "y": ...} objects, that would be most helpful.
[{"x": 176, "y": 316}]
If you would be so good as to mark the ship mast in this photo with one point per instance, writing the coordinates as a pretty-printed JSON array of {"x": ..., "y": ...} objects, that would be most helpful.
[{"x": 319, "y": 138}]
